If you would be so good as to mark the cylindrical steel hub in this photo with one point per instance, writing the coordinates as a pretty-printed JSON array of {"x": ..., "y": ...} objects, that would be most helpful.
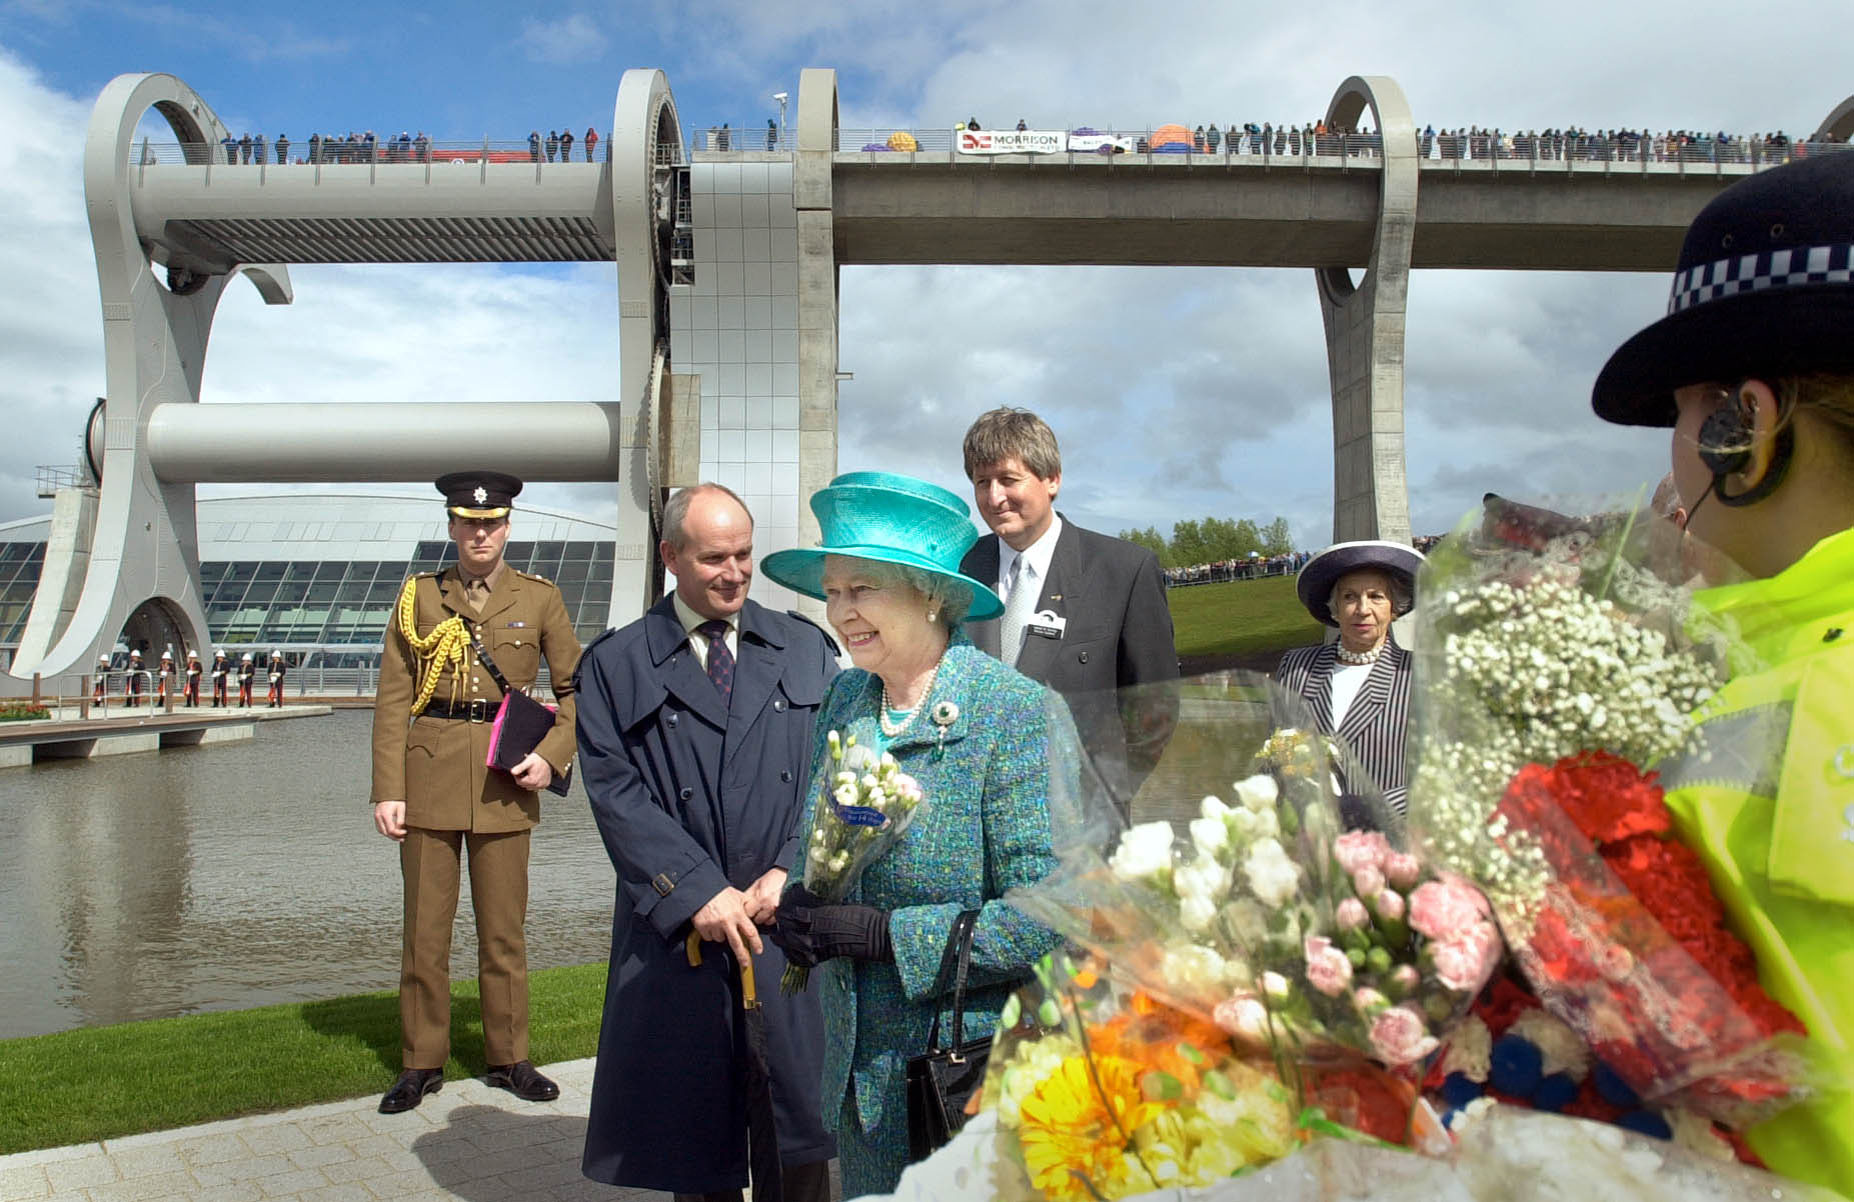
[{"x": 334, "y": 443}]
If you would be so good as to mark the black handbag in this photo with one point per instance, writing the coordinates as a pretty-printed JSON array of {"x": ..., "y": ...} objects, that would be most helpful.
[{"x": 942, "y": 1080}]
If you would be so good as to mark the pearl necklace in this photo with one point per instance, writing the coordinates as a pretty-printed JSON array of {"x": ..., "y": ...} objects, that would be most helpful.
[
  {"x": 893, "y": 729},
  {"x": 1356, "y": 658}
]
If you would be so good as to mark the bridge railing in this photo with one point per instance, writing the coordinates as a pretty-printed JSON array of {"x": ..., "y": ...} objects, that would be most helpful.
[
  {"x": 731, "y": 136},
  {"x": 1527, "y": 151},
  {"x": 290, "y": 152}
]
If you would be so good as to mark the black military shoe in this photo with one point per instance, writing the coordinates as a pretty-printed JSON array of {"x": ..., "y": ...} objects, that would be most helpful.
[
  {"x": 411, "y": 1088},
  {"x": 524, "y": 1081}
]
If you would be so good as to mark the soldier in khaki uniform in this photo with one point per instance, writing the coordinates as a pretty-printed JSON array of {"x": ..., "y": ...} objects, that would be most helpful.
[{"x": 435, "y": 795}]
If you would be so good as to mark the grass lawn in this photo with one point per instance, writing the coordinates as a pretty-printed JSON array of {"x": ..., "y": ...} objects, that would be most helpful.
[
  {"x": 78, "y": 1086},
  {"x": 1240, "y": 618}
]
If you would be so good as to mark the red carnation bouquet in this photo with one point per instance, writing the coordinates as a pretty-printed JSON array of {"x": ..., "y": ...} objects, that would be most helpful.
[
  {"x": 1630, "y": 946},
  {"x": 1556, "y": 659}
]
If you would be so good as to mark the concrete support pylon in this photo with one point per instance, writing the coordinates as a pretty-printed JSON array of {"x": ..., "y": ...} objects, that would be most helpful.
[
  {"x": 646, "y": 145},
  {"x": 1365, "y": 329},
  {"x": 144, "y": 549},
  {"x": 817, "y": 298}
]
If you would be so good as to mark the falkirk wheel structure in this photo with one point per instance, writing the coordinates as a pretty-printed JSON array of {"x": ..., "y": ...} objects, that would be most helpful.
[{"x": 727, "y": 261}]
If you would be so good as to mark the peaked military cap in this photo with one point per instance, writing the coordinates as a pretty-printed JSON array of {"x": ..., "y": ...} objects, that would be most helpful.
[{"x": 478, "y": 494}]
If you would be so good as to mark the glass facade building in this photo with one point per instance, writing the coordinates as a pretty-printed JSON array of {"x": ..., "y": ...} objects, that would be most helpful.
[{"x": 316, "y": 575}]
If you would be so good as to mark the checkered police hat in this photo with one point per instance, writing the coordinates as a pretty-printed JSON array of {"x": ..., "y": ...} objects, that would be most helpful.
[{"x": 1764, "y": 287}]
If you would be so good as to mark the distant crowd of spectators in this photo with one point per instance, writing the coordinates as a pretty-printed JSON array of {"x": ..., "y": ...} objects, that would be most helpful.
[
  {"x": 331, "y": 148},
  {"x": 365, "y": 147},
  {"x": 1609, "y": 145},
  {"x": 1475, "y": 142},
  {"x": 558, "y": 145},
  {"x": 1309, "y": 138},
  {"x": 1224, "y": 571}
]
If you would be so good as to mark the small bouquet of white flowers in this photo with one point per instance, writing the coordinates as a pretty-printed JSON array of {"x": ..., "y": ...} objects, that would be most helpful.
[{"x": 868, "y": 803}]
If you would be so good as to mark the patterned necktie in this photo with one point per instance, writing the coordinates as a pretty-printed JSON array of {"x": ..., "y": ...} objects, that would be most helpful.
[
  {"x": 720, "y": 659},
  {"x": 1017, "y": 610}
]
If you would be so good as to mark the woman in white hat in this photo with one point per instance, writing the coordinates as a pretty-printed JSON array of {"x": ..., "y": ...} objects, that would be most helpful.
[{"x": 1359, "y": 687}]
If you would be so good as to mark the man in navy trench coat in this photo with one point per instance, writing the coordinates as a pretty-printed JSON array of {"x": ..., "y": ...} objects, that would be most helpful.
[{"x": 695, "y": 737}]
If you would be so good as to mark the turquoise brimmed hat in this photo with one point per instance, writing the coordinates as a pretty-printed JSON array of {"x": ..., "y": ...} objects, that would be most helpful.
[{"x": 886, "y": 518}]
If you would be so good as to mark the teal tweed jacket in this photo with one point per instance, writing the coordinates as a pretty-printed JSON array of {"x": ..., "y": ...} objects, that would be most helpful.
[{"x": 983, "y": 828}]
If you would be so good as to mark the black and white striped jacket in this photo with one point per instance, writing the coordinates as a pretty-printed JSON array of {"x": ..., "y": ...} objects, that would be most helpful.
[{"x": 1374, "y": 727}]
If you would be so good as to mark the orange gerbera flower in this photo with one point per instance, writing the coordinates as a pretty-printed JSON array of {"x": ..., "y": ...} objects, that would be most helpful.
[
  {"x": 1070, "y": 1127},
  {"x": 1157, "y": 1036}
]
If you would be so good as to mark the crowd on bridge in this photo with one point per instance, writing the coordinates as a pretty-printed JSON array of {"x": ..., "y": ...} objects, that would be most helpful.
[
  {"x": 558, "y": 145},
  {"x": 1473, "y": 142},
  {"x": 1268, "y": 139},
  {"x": 407, "y": 147}
]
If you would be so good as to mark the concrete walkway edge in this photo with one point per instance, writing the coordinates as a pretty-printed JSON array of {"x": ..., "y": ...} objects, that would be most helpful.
[{"x": 467, "y": 1141}]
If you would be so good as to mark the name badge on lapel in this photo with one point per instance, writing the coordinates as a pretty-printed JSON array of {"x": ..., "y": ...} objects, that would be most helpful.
[{"x": 1047, "y": 624}]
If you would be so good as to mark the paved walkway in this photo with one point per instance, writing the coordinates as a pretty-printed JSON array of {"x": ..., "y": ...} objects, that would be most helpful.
[{"x": 466, "y": 1141}]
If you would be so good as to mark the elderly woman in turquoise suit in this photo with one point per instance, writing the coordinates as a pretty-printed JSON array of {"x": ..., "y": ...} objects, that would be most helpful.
[{"x": 976, "y": 735}]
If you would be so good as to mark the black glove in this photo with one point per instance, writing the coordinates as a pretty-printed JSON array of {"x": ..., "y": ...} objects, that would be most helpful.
[{"x": 811, "y": 930}]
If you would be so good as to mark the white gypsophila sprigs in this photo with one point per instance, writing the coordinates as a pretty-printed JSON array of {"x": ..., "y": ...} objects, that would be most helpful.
[{"x": 1533, "y": 674}]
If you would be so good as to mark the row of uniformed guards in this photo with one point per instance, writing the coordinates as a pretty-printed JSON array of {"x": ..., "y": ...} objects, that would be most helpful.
[{"x": 222, "y": 673}]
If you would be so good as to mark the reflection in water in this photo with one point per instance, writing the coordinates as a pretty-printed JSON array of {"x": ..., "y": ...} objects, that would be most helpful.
[{"x": 217, "y": 878}]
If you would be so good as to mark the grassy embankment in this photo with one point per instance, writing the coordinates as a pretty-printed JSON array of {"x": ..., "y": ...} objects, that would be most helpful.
[
  {"x": 78, "y": 1086},
  {"x": 1238, "y": 622}
]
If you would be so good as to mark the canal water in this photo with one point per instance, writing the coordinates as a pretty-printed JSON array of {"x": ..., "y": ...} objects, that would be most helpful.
[{"x": 224, "y": 877}]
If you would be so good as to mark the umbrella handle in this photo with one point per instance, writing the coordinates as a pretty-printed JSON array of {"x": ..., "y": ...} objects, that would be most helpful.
[
  {"x": 749, "y": 992},
  {"x": 749, "y": 996}
]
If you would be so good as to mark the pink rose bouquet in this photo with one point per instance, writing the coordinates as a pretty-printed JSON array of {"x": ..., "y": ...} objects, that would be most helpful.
[{"x": 1262, "y": 913}]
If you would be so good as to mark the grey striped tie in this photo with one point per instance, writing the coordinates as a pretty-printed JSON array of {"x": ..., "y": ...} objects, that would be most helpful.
[{"x": 1017, "y": 610}]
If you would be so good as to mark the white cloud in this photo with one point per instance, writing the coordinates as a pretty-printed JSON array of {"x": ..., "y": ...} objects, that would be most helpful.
[
  {"x": 50, "y": 314},
  {"x": 571, "y": 39}
]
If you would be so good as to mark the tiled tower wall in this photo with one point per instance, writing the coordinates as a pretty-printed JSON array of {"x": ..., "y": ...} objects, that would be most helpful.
[{"x": 737, "y": 327}]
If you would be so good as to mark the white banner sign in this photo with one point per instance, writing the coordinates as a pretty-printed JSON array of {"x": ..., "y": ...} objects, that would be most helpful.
[
  {"x": 1094, "y": 143},
  {"x": 1009, "y": 141}
]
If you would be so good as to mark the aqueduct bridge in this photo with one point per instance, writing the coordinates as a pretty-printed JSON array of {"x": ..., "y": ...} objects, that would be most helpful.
[{"x": 727, "y": 267}]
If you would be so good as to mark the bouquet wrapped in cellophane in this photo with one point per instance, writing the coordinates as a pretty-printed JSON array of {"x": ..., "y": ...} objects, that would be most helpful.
[
  {"x": 868, "y": 802},
  {"x": 1102, "y": 1090},
  {"x": 1557, "y": 663},
  {"x": 1496, "y": 1154},
  {"x": 1208, "y": 1044},
  {"x": 1256, "y": 966},
  {"x": 1262, "y": 912}
]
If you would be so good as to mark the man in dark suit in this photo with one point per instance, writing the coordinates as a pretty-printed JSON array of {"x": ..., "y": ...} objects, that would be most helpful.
[
  {"x": 695, "y": 732},
  {"x": 1085, "y": 613}
]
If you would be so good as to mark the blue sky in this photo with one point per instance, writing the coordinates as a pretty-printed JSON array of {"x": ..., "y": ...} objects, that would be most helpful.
[{"x": 1176, "y": 392}]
